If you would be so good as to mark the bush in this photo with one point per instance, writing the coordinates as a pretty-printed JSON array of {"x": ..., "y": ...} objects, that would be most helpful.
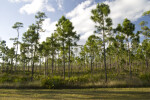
[
  {"x": 84, "y": 78},
  {"x": 145, "y": 77},
  {"x": 75, "y": 81},
  {"x": 53, "y": 83},
  {"x": 58, "y": 82},
  {"x": 24, "y": 79},
  {"x": 37, "y": 77},
  {"x": 71, "y": 81},
  {"x": 6, "y": 78}
]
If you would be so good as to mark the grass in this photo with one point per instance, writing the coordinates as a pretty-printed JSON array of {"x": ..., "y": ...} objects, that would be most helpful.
[
  {"x": 20, "y": 80},
  {"x": 76, "y": 94}
]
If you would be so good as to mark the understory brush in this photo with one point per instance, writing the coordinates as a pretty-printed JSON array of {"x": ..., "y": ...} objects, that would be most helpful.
[{"x": 87, "y": 79}]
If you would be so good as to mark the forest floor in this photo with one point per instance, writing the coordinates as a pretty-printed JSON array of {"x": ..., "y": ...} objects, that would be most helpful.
[{"x": 76, "y": 94}]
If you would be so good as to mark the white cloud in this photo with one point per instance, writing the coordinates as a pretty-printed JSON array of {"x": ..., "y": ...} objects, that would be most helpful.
[
  {"x": 33, "y": 6},
  {"x": 60, "y": 4},
  {"x": 120, "y": 9},
  {"x": 49, "y": 28},
  {"x": 20, "y": 0},
  {"x": 131, "y": 9},
  {"x": 80, "y": 8},
  {"x": 80, "y": 17}
]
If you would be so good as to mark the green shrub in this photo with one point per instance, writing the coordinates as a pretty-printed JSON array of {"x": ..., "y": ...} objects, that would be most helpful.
[
  {"x": 7, "y": 79},
  {"x": 71, "y": 80},
  {"x": 145, "y": 77},
  {"x": 24, "y": 79},
  {"x": 74, "y": 81},
  {"x": 52, "y": 83},
  {"x": 37, "y": 77},
  {"x": 84, "y": 78}
]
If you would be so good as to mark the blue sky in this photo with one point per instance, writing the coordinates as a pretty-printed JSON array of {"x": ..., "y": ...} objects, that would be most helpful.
[{"x": 78, "y": 11}]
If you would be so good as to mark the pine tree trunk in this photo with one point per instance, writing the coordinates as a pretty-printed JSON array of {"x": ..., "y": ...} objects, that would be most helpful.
[
  {"x": 40, "y": 65},
  {"x": 104, "y": 54},
  {"x": 129, "y": 62},
  {"x": 93, "y": 61},
  {"x": 24, "y": 66},
  {"x": 17, "y": 50},
  {"x": 33, "y": 58},
  {"x": 45, "y": 68},
  {"x": 110, "y": 62},
  {"x": 52, "y": 62},
  {"x": 55, "y": 63},
  {"x": 32, "y": 70},
  {"x": 28, "y": 66},
  {"x": 91, "y": 64},
  {"x": 11, "y": 65},
  {"x": 146, "y": 61},
  {"x": 69, "y": 63},
  {"x": 64, "y": 58},
  {"x": 117, "y": 63},
  {"x": 3, "y": 64},
  {"x": 84, "y": 62}
]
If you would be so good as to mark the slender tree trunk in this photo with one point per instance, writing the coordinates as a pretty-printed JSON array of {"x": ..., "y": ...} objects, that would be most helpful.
[
  {"x": 40, "y": 65},
  {"x": 32, "y": 69},
  {"x": 33, "y": 56},
  {"x": 104, "y": 54},
  {"x": 117, "y": 63},
  {"x": 129, "y": 61},
  {"x": 64, "y": 58},
  {"x": 17, "y": 50},
  {"x": 7, "y": 67},
  {"x": 146, "y": 60},
  {"x": 87, "y": 64},
  {"x": 58, "y": 65},
  {"x": 52, "y": 58},
  {"x": 28, "y": 66},
  {"x": 96, "y": 64},
  {"x": 105, "y": 64},
  {"x": 93, "y": 61},
  {"x": 11, "y": 65},
  {"x": 91, "y": 64},
  {"x": 24, "y": 66},
  {"x": 52, "y": 62},
  {"x": 71, "y": 68},
  {"x": 3, "y": 64},
  {"x": 45, "y": 67},
  {"x": 69, "y": 63},
  {"x": 84, "y": 62},
  {"x": 110, "y": 62},
  {"x": 55, "y": 64}
]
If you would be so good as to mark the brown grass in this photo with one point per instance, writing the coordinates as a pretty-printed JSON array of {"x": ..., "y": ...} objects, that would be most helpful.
[{"x": 76, "y": 94}]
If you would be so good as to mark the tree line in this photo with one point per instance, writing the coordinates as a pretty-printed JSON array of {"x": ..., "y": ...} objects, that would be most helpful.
[{"x": 107, "y": 48}]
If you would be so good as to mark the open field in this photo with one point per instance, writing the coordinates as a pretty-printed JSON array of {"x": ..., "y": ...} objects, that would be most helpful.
[{"x": 76, "y": 94}]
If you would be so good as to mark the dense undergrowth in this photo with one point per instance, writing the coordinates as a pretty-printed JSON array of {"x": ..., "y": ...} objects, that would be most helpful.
[{"x": 77, "y": 80}]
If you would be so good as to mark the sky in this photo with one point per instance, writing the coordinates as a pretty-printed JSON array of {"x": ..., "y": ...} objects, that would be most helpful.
[{"x": 78, "y": 11}]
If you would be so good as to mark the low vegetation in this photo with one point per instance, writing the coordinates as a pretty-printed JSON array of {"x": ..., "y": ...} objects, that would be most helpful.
[
  {"x": 77, "y": 80},
  {"x": 77, "y": 94}
]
